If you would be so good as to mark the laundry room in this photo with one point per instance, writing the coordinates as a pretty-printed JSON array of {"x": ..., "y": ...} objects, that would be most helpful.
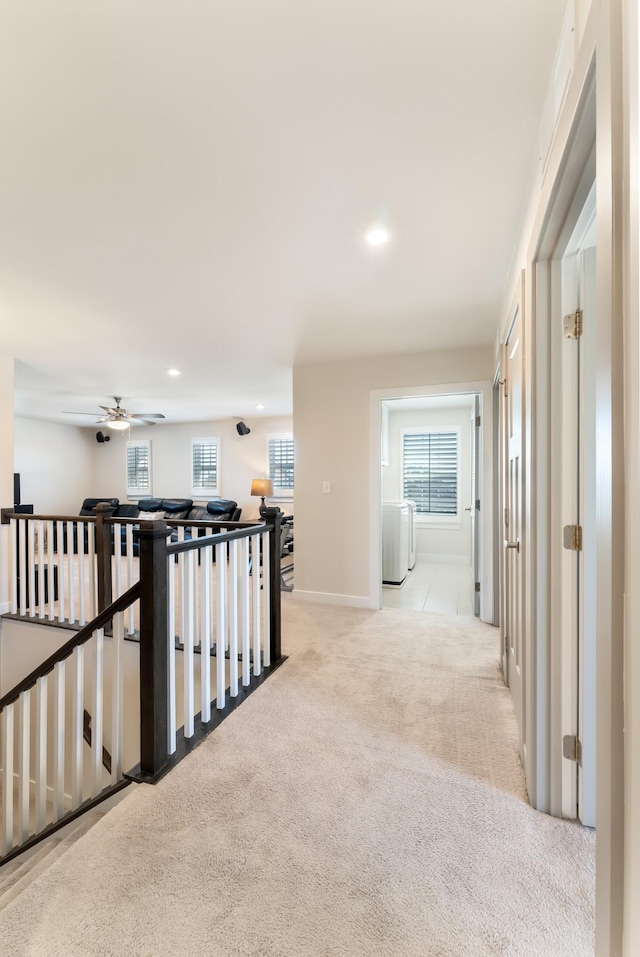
[{"x": 427, "y": 489}]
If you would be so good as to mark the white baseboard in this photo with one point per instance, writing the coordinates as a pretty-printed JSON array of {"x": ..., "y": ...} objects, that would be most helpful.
[
  {"x": 443, "y": 559},
  {"x": 327, "y": 598},
  {"x": 5, "y": 607}
]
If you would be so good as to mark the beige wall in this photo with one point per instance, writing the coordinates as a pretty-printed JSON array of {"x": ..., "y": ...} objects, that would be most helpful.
[
  {"x": 55, "y": 463},
  {"x": 242, "y": 458},
  {"x": 332, "y": 424}
]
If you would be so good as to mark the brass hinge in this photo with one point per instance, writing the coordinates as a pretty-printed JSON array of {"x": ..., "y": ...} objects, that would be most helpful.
[
  {"x": 572, "y": 748},
  {"x": 572, "y": 324},
  {"x": 572, "y": 537},
  {"x": 478, "y": 420}
]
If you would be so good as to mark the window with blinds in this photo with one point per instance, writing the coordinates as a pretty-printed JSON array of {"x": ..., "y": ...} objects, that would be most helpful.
[
  {"x": 281, "y": 464},
  {"x": 205, "y": 466},
  {"x": 430, "y": 471},
  {"x": 138, "y": 468}
]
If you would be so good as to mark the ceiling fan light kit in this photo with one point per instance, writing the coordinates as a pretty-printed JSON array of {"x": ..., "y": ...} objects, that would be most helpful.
[{"x": 120, "y": 419}]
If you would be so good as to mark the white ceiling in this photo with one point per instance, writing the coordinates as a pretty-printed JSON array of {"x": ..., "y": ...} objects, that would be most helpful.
[{"x": 187, "y": 184}]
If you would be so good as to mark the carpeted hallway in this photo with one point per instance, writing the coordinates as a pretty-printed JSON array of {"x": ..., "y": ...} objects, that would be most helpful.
[{"x": 367, "y": 801}]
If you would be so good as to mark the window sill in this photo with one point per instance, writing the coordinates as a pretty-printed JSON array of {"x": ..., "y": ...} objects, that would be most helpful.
[{"x": 439, "y": 523}]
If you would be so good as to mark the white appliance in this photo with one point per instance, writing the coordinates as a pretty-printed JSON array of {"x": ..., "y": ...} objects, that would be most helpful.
[
  {"x": 412, "y": 533},
  {"x": 395, "y": 542}
]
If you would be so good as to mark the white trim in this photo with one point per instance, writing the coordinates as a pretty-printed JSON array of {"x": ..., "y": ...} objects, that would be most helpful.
[
  {"x": 327, "y": 598},
  {"x": 5, "y": 607}
]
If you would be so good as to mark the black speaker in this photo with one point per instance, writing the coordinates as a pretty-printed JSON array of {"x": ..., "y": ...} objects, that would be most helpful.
[
  {"x": 242, "y": 428},
  {"x": 101, "y": 437}
]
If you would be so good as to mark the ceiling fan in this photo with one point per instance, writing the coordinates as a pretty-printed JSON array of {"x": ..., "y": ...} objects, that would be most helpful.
[{"x": 119, "y": 418}]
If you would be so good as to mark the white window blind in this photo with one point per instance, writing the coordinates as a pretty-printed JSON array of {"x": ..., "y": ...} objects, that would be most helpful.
[
  {"x": 430, "y": 471},
  {"x": 138, "y": 468},
  {"x": 205, "y": 463},
  {"x": 281, "y": 463}
]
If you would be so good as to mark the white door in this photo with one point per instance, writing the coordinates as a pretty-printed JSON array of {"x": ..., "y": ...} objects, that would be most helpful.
[{"x": 513, "y": 521}]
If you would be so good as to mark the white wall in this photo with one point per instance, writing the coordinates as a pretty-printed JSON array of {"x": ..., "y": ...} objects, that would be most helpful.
[
  {"x": 433, "y": 539},
  {"x": 332, "y": 425},
  {"x": 242, "y": 458},
  {"x": 55, "y": 463}
]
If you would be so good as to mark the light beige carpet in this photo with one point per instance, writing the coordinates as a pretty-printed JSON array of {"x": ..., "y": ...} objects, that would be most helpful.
[{"x": 367, "y": 801}]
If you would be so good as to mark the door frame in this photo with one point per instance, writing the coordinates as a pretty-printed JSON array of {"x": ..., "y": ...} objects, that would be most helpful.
[{"x": 484, "y": 389}]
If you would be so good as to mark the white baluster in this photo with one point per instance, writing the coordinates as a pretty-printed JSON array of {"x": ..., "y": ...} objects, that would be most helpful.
[
  {"x": 93, "y": 575},
  {"x": 24, "y": 743},
  {"x": 266, "y": 599},
  {"x": 59, "y": 724},
  {"x": 117, "y": 698},
  {"x": 77, "y": 739},
  {"x": 187, "y": 639},
  {"x": 42, "y": 534},
  {"x": 233, "y": 619},
  {"x": 72, "y": 574},
  {"x": 49, "y": 572},
  {"x": 117, "y": 557},
  {"x": 81, "y": 529},
  {"x": 244, "y": 616},
  {"x": 206, "y": 565},
  {"x": 131, "y": 625},
  {"x": 14, "y": 567},
  {"x": 7, "y": 781},
  {"x": 221, "y": 625},
  {"x": 255, "y": 550},
  {"x": 61, "y": 575},
  {"x": 97, "y": 736},
  {"x": 172, "y": 716},
  {"x": 41, "y": 753},
  {"x": 22, "y": 544},
  {"x": 31, "y": 551}
]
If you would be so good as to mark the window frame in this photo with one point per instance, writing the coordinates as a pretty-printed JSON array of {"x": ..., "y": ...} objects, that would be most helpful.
[
  {"x": 207, "y": 491},
  {"x": 279, "y": 491},
  {"x": 139, "y": 491},
  {"x": 436, "y": 519}
]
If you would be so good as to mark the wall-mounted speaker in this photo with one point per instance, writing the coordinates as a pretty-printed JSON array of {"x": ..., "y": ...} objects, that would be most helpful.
[
  {"x": 242, "y": 428},
  {"x": 101, "y": 437}
]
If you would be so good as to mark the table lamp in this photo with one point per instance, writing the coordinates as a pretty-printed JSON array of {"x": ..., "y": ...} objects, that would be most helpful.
[{"x": 262, "y": 487}]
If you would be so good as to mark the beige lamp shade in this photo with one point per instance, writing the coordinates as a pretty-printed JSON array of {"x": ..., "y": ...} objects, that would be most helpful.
[{"x": 262, "y": 487}]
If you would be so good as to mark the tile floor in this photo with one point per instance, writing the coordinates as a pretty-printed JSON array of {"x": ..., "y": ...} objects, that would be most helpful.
[{"x": 446, "y": 589}]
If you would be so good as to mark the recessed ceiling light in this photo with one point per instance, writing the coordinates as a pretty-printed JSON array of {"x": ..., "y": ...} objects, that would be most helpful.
[
  {"x": 377, "y": 235},
  {"x": 173, "y": 371},
  {"x": 259, "y": 406}
]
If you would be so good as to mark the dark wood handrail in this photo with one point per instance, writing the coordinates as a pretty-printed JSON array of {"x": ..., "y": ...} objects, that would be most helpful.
[
  {"x": 100, "y": 621},
  {"x": 8, "y": 514},
  {"x": 174, "y": 548}
]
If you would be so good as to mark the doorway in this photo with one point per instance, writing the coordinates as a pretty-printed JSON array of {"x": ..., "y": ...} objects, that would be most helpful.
[{"x": 430, "y": 479}]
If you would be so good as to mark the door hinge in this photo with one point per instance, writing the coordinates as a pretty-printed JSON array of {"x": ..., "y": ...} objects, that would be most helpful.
[
  {"x": 477, "y": 586},
  {"x": 478, "y": 421},
  {"x": 477, "y": 505},
  {"x": 506, "y": 516},
  {"x": 572, "y": 748},
  {"x": 572, "y": 537},
  {"x": 506, "y": 643},
  {"x": 572, "y": 324}
]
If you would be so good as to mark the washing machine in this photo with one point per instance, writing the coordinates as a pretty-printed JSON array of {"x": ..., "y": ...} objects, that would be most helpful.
[{"x": 395, "y": 542}]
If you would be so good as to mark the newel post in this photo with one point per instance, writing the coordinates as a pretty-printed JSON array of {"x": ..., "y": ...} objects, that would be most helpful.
[
  {"x": 154, "y": 646},
  {"x": 273, "y": 517},
  {"x": 104, "y": 534}
]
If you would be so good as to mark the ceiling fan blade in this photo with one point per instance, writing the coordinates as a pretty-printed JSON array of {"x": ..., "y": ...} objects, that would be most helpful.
[
  {"x": 145, "y": 415},
  {"x": 111, "y": 411},
  {"x": 78, "y": 413}
]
